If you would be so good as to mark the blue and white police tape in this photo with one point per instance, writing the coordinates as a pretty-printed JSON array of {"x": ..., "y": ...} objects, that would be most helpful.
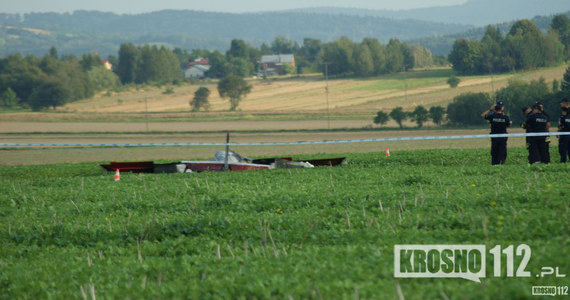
[{"x": 374, "y": 140}]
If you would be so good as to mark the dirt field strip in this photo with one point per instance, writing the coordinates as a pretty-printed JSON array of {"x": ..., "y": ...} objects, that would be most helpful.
[
  {"x": 49, "y": 155},
  {"x": 75, "y": 127}
]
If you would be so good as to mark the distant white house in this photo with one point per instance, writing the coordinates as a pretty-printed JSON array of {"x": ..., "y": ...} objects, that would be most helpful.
[
  {"x": 107, "y": 65},
  {"x": 272, "y": 64},
  {"x": 197, "y": 68}
]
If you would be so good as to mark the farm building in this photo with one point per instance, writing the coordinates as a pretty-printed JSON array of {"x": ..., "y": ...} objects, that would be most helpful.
[
  {"x": 196, "y": 68},
  {"x": 272, "y": 64}
]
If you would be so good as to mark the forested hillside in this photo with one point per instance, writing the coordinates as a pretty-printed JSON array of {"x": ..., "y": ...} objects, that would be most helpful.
[
  {"x": 86, "y": 31},
  {"x": 442, "y": 44}
]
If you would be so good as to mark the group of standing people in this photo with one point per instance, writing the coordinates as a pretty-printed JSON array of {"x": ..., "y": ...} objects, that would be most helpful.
[{"x": 537, "y": 121}]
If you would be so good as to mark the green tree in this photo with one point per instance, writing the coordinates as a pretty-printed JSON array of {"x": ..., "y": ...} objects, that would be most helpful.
[
  {"x": 561, "y": 25},
  {"x": 238, "y": 49},
  {"x": 89, "y": 61},
  {"x": 422, "y": 56},
  {"x": 465, "y": 55},
  {"x": 235, "y": 88},
  {"x": 50, "y": 93},
  {"x": 381, "y": 118},
  {"x": 529, "y": 48},
  {"x": 453, "y": 81},
  {"x": 565, "y": 84},
  {"x": 436, "y": 114},
  {"x": 101, "y": 79},
  {"x": 74, "y": 79},
  {"x": 219, "y": 66},
  {"x": 241, "y": 67},
  {"x": 466, "y": 108},
  {"x": 378, "y": 53},
  {"x": 338, "y": 55},
  {"x": 311, "y": 49},
  {"x": 555, "y": 86},
  {"x": 281, "y": 45},
  {"x": 159, "y": 65},
  {"x": 53, "y": 53},
  {"x": 394, "y": 57},
  {"x": 399, "y": 115},
  {"x": 491, "y": 56},
  {"x": 519, "y": 93},
  {"x": 9, "y": 99},
  {"x": 200, "y": 99},
  {"x": 420, "y": 115},
  {"x": 288, "y": 68},
  {"x": 363, "y": 63},
  {"x": 129, "y": 59},
  {"x": 408, "y": 56}
]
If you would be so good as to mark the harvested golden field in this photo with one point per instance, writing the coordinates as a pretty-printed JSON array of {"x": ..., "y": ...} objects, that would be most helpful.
[{"x": 301, "y": 95}]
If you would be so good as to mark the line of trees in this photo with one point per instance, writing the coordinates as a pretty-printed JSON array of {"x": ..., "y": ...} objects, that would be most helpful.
[
  {"x": 524, "y": 47},
  {"x": 144, "y": 64},
  {"x": 51, "y": 80},
  {"x": 419, "y": 115},
  {"x": 343, "y": 56}
]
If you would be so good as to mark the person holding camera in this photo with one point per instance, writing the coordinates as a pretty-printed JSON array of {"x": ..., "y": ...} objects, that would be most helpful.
[{"x": 499, "y": 123}]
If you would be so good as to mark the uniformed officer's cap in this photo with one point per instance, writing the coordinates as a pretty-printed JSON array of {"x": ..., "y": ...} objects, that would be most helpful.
[
  {"x": 536, "y": 105},
  {"x": 564, "y": 100},
  {"x": 499, "y": 104}
]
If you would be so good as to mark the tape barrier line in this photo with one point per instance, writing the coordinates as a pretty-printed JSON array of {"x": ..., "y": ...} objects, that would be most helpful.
[{"x": 394, "y": 139}]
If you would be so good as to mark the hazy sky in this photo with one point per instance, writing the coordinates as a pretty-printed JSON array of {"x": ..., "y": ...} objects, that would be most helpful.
[{"x": 236, "y": 6}]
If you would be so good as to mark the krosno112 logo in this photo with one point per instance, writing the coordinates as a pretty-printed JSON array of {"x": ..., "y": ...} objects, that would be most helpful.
[{"x": 462, "y": 261}]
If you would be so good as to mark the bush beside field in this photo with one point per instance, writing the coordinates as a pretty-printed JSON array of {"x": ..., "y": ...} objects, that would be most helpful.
[{"x": 69, "y": 231}]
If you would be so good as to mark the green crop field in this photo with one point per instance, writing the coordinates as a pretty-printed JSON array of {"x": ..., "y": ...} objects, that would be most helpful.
[{"x": 69, "y": 231}]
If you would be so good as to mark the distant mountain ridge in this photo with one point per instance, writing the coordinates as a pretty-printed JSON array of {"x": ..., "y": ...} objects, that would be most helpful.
[
  {"x": 224, "y": 25},
  {"x": 89, "y": 31},
  {"x": 194, "y": 29},
  {"x": 473, "y": 12}
]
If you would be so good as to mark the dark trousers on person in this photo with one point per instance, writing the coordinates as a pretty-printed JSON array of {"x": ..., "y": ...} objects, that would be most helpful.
[
  {"x": 564, "y": 147},
  {"x": 548, "y": 150},
  {"x": 537, "y": 150},
  {"x": 498, "y": 151}
]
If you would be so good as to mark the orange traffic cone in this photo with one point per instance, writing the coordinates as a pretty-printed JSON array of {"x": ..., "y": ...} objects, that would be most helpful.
[
  {"x": 117, "y": 175},
  {"x": 387, "y": 151}
]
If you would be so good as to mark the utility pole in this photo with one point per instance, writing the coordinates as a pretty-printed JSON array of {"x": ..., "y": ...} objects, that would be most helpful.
[
  {"x": 327, "y": 92},
  {"x": 146, "y": 113},
  {"x": 405, "y": 84},
  {"x": 492, "y": 82}
]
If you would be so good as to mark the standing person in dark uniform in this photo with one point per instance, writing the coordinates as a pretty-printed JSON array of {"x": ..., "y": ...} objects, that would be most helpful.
[
  {"x": 564, "y": 141},
  {"x": 536, "y": 122},
  {"x": 547, "y": 140},
  {"x": 526, "y": 111},
  {"x": 499, "y": 124}
]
